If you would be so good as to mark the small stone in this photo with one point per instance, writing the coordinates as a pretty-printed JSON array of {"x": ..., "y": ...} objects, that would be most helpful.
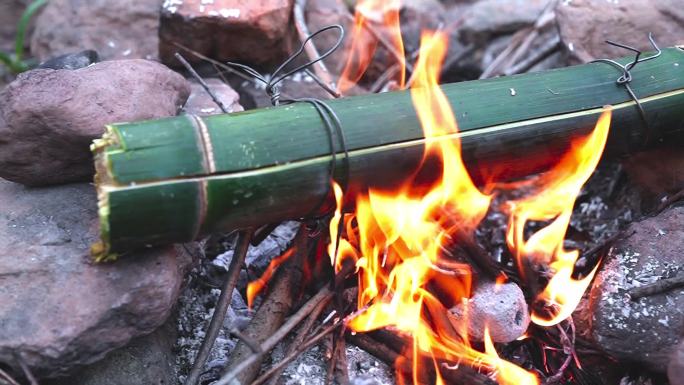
[
  {"x": 584, "y": 26},
  {"x": 200, "y": 102},
  {"x": 71, "y": 61},
  {"x": 122, "y": 29},
  {"x": 254, "y": 32},
  {"x": 59, "y": 310},
  {"x": 500, "y": 308},
  {"x": 48, "y": 118},
  {"x": 646, "y": 330}
]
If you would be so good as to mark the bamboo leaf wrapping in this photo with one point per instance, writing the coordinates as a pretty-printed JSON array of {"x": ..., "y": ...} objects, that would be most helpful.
[{"x": 175, "y": 179}]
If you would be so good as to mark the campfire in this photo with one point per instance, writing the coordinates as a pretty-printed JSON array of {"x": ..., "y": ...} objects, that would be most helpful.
[{"x": 377, "y": 223}]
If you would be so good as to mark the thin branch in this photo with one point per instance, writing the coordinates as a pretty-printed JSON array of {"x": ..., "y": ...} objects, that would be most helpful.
[
  {"x": 542, "y": 53},
  {"x": 27, "y": 371},
  {"x": 6, "y": 377},
  {"x": 298, "y": 340},
  {"x": 201, "y": 81},
  {"x": 221, "y": 307},
  {"x": 325, "y": 294},
  {"x": 292, "y": 356},
  {"x": 658, "y": 287}
]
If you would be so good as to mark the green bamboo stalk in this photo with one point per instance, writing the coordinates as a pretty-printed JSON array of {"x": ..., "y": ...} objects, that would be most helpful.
[{"x": 175, "y": 179}]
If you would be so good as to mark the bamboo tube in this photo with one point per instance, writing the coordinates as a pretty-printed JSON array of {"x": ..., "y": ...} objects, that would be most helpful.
[{"x": 175, "y": 179}]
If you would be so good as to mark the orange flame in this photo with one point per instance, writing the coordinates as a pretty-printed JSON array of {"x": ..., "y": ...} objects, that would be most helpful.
[
  {"x": 255, "y": 287},
  {"x": 398, "y": 239},
  {"x": 401, "y": 237},
  {"x": 506, "y": 372},
  {"x": 364, "y": 42},
  {"x": 554, "y": 201}
]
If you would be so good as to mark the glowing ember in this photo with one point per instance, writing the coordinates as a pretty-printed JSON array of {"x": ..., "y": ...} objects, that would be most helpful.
[{"x": 255, "y": 287}]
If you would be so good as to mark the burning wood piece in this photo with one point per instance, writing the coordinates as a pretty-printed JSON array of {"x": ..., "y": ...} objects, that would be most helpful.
[
  {"x": 500, "y": 308},
  {"x": 283, "y": 292},
  {"x": 268, "y": 165}
]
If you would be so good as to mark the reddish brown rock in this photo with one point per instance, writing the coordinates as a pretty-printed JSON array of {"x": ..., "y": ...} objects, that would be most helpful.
[
  {"x": 51, "y": 116},
  {"x": 646, "y": 330},
  {"x": 200, "y": 102},
  {"x": 585, "y": 25},
  {"x": 253, "y": 32},
  {"x": 122, "y": 29},
  {"x": 58, "y": 309}
]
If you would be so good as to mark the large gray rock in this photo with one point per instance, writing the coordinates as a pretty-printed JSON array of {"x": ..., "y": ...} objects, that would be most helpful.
[
  {"x": 122, "y": 29},
  {"x": 48, "y": 118},
  {"x": 59, "y": 310},
  {"x": 646, "y": 330},
  {"x": 585, "y": 25}
]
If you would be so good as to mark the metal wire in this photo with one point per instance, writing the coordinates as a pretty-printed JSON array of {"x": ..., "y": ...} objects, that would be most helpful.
[
  {"x": 626, "y": 76},
  {"x": 330, "y": 119}
]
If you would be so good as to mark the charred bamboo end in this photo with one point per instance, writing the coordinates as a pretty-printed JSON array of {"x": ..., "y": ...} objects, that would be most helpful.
[{"x": 100, "y": 250}]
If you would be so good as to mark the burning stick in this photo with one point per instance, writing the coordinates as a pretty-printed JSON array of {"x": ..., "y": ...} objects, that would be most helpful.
[
  {"x": 272, "y": 312},
  {"x": 269, "y": 165}
]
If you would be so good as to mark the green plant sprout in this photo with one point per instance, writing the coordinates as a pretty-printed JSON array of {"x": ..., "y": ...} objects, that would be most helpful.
[{"x": 15, "y": 62}]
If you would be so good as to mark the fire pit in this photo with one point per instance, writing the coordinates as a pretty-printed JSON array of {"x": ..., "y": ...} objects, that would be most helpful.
[{"x": 383, "y": 221}]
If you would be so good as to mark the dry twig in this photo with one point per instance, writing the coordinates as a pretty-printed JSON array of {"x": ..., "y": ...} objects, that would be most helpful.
[
  {"x": 325, "y": 294},
  {"x": 7, "y": 378},
  {"x": 282, "y": 293},
  {"x": 660, "y": 286},
  {"x": 221, "y": 306}
]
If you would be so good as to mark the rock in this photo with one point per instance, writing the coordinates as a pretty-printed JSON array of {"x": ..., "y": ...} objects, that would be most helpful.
[
  {"x": 646, "y": 330},
  {"x": 122, "y": 29},
  {"x": 675, "y": 370},
  {"x": 585, "y": 25},
  {"x": 71, "y": 61},
  {"x": 48, "y": 118},
  {"x": 254, "y": 32},
  {"x": 417, "y": 16},
  {"x": 59, "y": 310},
  {"x": 487, "y": 18},
  {"x": 656, "y": 174},
  {"x": 500, "y": 308},
  {"x": 200, "y": 102},
  {"x": 146, "y": 360}
]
